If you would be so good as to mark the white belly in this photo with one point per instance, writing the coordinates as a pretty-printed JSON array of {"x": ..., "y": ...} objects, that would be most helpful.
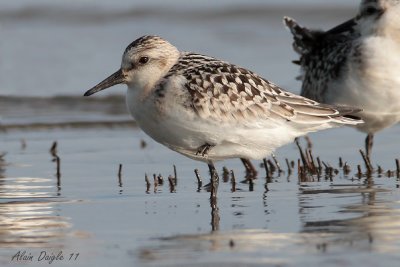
[
  {"x": 374, "y": 87},
  {"x": 183, "y": 131}
]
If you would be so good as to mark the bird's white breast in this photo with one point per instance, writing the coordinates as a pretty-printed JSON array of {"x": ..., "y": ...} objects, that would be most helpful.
[
  {"x": 372, "y": 83},
  {"x": 166, "y": 119}
]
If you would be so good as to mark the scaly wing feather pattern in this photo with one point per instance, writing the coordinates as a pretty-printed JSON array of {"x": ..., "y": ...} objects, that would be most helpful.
[{"x": 227, "y": 93}]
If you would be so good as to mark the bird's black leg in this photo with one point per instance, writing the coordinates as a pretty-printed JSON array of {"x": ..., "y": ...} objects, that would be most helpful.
[
  {"x": 203, "y": 150},
  {"x": 214, "y": 179},
  {"x": 213, "y": 197},
  {"x": 369, "y": 141},
  {"x": 250, "y": 169}
]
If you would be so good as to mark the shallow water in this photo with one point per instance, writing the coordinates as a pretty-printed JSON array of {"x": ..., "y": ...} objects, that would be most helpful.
[
  {"x": 53, "y": 51},
  {"x": 345, "y": 220}
]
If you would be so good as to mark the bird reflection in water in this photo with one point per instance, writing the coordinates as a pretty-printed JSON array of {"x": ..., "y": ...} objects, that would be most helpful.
[{"x": 353, "y": 214}]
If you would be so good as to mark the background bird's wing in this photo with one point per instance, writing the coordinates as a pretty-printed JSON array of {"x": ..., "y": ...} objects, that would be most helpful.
[
  {"x": 323, "y": 54},
  {"x": 305, "y": 39}
]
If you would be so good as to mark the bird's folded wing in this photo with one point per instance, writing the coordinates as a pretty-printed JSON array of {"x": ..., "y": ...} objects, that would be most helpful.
[{"x": 227, "y": 93}]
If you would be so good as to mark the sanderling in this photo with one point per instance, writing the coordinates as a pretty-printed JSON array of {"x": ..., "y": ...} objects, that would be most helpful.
[
  {"x": 208, "y": 109},
  {"x": 356, "y": 63}
]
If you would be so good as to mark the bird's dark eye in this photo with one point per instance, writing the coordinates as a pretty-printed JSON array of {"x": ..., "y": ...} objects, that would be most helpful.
[
  {"x": 143, "y": 60},
  {"x": 370, "y": 11}
]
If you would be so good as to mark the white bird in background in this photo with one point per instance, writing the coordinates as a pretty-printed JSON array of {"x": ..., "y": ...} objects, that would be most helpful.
[
  {"x": 208, "y": 109},
  {"x": 356, "y": 63}
]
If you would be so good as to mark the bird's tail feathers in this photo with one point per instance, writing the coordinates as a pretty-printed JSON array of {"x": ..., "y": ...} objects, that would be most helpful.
[
  {"x": 303, "y": 37},
  {"x": 347, "y": 115}
]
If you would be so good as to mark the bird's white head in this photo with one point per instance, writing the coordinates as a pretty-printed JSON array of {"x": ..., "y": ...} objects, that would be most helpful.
[
  {"x": 380, "y": 17},
  {"x": 144, "y": 62}
]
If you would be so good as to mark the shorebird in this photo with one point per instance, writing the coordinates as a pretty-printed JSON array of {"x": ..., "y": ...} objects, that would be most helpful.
[
  {"x": 210, "y": 110},
  {"x": 356, "y": 63}
]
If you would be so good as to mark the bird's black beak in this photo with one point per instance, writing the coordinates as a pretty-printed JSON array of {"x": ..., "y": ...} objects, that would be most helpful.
[{"x": 116, "y": 78}]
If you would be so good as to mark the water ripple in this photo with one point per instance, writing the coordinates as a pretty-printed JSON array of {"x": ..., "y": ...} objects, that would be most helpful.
[{"x": 28, "y": 213}]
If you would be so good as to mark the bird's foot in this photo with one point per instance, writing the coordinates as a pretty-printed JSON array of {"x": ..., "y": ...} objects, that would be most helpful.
[{"x": 203, "y": 150}]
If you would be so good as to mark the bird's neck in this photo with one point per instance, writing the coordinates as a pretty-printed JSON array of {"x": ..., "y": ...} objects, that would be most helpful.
[
  {"x": 391, "y": 29},
  {"x": 386, "y": 27}
]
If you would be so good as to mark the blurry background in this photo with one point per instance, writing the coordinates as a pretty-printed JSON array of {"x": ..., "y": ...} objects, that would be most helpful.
[{"x": 52, "y": 48}]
